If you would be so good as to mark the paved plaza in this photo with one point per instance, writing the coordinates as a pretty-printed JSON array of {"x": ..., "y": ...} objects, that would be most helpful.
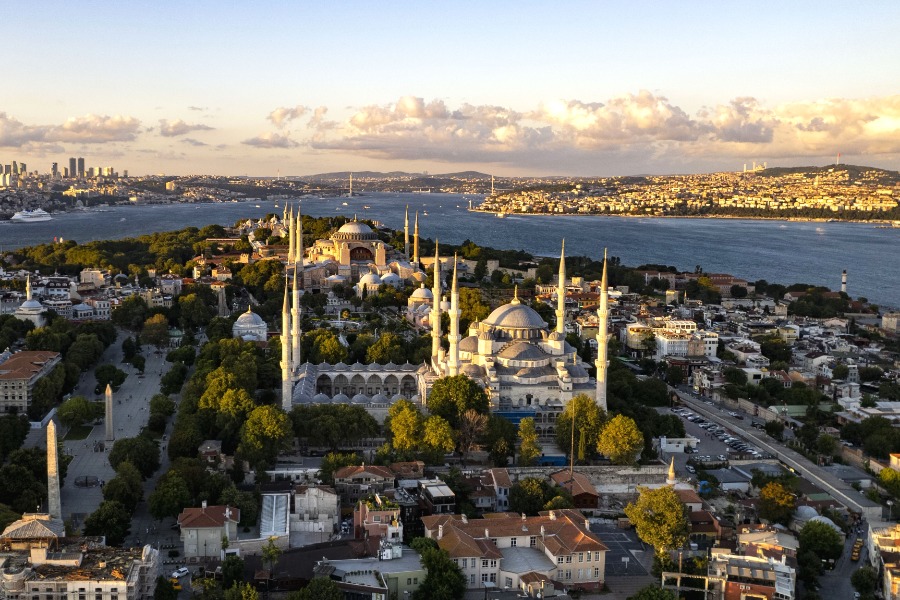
[{"x": 89, "y": 463}]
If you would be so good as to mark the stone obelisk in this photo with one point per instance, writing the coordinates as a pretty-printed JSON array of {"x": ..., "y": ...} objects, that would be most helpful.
[
  {"x": 110, "y": 433},
  {"x": 54, "y": 504}
]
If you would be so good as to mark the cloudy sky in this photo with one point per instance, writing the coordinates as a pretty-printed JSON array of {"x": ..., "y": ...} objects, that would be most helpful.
[{"x": 512, "y": 88}]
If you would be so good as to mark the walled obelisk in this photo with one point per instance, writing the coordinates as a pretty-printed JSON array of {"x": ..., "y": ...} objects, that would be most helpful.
[
  {"x": 54, "y": 505},
  {"x": 110, "y": 433}
]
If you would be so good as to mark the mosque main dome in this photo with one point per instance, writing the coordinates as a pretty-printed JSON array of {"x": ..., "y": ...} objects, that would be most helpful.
[
  {"x": 354, "y": 230},
  {"x": 515, "y": 316}
]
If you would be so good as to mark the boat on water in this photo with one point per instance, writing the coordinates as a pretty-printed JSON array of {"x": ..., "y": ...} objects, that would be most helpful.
[
  {"x": 501, "y": 215},
  {"x": 31, "y": 216}
]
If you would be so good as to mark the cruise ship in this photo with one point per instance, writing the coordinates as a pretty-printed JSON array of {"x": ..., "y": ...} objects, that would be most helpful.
[{"x": 31, "y": 216}]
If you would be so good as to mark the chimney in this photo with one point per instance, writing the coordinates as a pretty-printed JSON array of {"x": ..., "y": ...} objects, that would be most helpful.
[
  {"x": 486, "y": 533},
  {"x": 552, "y": 515},
  {"x": 465, "y": 519},
  {"x": 203, "y": 505},
  {"x": 440, "y": 531}
]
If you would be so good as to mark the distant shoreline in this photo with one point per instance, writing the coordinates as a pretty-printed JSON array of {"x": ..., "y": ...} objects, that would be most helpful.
[{"x": 736, "y": 217}]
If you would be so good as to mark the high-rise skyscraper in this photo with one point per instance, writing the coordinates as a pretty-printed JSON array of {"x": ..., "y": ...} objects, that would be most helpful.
[
  {"x": 80, "y": 166},
  {"x": 54, "y": 169},
  {"x": 72, "y": 167}
]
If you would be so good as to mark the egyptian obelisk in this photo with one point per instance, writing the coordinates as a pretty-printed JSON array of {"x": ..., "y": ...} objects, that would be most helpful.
[
  {"x": 110, "y": 434},
  {"x": 54, "y": 505}
]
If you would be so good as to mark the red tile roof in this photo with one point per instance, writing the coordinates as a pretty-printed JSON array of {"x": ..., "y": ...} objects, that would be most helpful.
[{"x": 210, "y": 516}]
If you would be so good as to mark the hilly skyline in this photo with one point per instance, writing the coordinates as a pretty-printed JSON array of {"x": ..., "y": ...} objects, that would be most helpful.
[{"x": 579, "y": 89}]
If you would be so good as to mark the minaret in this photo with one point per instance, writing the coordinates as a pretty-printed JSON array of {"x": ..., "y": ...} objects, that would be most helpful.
[
  {"x": 670, "y": 478},
  {"x": 54, "y": 504},
  {"x": 110, "y": 435},
  {"x": 290, "y": 224},
  {"x": 416, "y": 241},
  {"x": 561, "y": 293},
  {"x": 406, "y": 233},
  {"x": 844, "y": 281},
  {"x": 295, "y": 323},
  {"x": 602, "y": 341},
  {"x": 436, "y": 308},
  {"x": 350, "y": 195},
  {"x": 453, "y": 359},
  {"x": 286, "y": 386}
]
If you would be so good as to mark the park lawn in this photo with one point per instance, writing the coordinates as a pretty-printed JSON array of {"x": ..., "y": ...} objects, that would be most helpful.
[{"x": 79, "y": 432}]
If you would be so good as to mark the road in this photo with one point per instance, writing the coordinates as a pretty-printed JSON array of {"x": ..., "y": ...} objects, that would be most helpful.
[
  {"x": 839, "y": 490},
  {"x": 836, "y": 583}
]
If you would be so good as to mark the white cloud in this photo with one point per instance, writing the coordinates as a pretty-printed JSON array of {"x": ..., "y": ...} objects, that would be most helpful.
[
  {"x": 178, "y": 127},
  {"x": 271, "y": 140}
]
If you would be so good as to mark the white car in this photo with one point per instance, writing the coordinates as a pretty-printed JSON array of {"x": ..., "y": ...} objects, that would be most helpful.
[{"x": 180, "y": 572}]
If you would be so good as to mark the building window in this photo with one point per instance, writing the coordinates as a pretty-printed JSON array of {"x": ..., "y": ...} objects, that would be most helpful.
[
  {"x": 409, "y": 581},
  {"x": 559, "y": 560},
  {"x": 596, "y": 556},
  {"x": 596, "y": 573},
  {"x": 569, "y": 574},
  {"x": 484, "y": 577},
  {"x": 568, "y": 558},
  {"x": 493, "y": 578},
  {"x": 532, "y": 541},
  {"x": 415, "y": 581},
  {"x": 493, "y": 564},
  {"x": 484, "y": 564},
  {"x": 508, "y": 582},
  {"x": 472, "y": 579},
  {"x": 513, "y": 542},
  {"x": 581, "y": 557},
  {"x": 494, "y": 541},
  {"x": 465, "y": 563}
]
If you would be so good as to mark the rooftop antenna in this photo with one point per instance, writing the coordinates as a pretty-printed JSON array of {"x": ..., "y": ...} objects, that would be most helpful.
[{"x": 838, "y": 161}]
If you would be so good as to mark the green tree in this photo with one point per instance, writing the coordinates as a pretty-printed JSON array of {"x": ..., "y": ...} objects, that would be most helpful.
[
  {"x": 405, "y": 425},
  {"x": 170, "y": 496},
  {"x": 266, "y": 432},
  {"x": 388, "y": 348},
  {"x": 529, "y": 448},
  {"x": 865, "y": 581},
  {"x": 232, "y": 571},
  {"x": 443, "y": 581},
  {"x": 659, "y": 518},
  {"x": 109, "y": 374},
  {"x": 195, "y": 313},
  {"x": 140, "y": 451},
  {"x": 111, "y": 519},
  {"x": 822, "y": 539},
  {"x": 621, "y": 440},
  {"x": 674, "y": 375},
  {"x": 270, "y": 554},
  {"x": 164, "y": 589},
  {"x": 653, "y": 592},
  {"x": 452, "y": 396},
  {"x": 320, "y": 588},
  {"x": 129, "y": 348},
  {"x": 588, "y": 424},
  {"x": 735, "y": 376},
  {"x": 528, "y": 496},
  {"x": 334, "y": 461},
  {"x": 126, "y": 487},
  {"x": 156, "y": 331},
  {"x": 777, "y": 503},
  {"x": 241, "y": 591},
  {"x": 437, "y": 435},
  {"x": 500, "y": 438},
  {"x": 131, "y": 314},
  {"x": 77, "y": 411},
  {"x": 13, "y": 431}
]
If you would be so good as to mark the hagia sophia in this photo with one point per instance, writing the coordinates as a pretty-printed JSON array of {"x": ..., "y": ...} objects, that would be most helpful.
[{"x": 526, "y": 369}]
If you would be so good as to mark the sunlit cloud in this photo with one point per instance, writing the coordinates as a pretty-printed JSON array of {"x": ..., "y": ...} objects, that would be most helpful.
[
  {"x": 95, "y": 129},
  {"x": 283, "y": 115},
  {"x": 178, "y": 127},
  {"x": 271, "y": 140}
]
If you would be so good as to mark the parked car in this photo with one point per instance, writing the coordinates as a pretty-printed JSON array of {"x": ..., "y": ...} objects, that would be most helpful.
[{"x": 180, "y": 572}]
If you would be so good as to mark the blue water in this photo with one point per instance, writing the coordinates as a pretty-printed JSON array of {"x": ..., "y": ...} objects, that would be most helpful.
[{"x": 778, "y": 251}]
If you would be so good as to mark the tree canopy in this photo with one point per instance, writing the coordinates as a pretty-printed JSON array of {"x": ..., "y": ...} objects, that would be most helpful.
[{"x": 659, "y": 518}]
